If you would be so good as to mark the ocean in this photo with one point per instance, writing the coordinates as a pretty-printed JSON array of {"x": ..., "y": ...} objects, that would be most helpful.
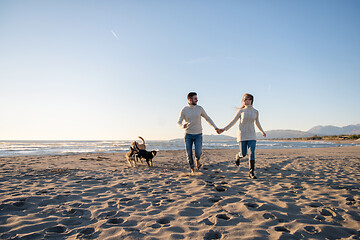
[{"x": 24, "y": 148}]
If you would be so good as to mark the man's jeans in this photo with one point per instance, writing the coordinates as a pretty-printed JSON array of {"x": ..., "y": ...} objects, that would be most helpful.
[
  {"x": 245, "y": 146},
  {"x": 195, "y": 139}
]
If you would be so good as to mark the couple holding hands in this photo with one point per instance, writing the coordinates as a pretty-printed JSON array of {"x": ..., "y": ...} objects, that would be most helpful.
[{"x": 248, "y": 116}]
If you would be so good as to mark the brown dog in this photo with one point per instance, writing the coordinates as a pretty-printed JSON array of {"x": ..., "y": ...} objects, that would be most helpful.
[
  {"x": 131, "y": 156},
  {"x": 141, "y": 146}
]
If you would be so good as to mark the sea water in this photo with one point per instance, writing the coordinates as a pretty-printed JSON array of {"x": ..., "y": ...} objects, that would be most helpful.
[{"x": 24, "y": 148}]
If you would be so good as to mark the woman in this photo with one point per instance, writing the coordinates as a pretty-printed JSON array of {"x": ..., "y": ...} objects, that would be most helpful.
[{"x": 246, "y": 137}]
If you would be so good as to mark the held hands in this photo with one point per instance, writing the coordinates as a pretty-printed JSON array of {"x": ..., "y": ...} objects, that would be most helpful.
[
  {"x": 186, "y": 125},
  {"x": 219, "y": 131}
]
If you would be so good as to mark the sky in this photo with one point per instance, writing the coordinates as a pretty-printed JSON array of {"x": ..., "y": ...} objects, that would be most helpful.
[{"x": 112, "y": 70}]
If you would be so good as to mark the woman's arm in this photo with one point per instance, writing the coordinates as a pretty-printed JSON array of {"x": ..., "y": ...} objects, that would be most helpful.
[
  {"x": 232, "y": 123},
  {"x": 257, "y": 123}
]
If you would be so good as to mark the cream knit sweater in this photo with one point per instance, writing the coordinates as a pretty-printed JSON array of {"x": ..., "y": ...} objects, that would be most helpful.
[
  {"x": 248, "y": 116},
  {"x": 192, "y": 114}
]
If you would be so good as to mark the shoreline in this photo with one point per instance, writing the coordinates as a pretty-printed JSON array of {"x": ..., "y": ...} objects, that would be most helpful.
[{"x": 123, "y": 152}]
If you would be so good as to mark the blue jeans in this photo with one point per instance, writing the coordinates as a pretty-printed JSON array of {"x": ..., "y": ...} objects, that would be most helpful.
[
  {"x": 195, "y": 139},
  {"x": 246, "y": 146}
]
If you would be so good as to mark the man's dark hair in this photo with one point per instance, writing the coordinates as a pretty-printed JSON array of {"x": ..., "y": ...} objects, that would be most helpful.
[{"x": 191, "y": 94}]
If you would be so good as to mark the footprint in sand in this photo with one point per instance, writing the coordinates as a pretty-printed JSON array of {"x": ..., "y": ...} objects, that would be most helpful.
[
  {"x": 354, "y": 215},
  {"x": 209, "y": 183},
  {"x": 251, "y": 205},
  {"x": 220, "y": 188},
  {"x": 72, "y": 221},
  {"x": 107, "y": 214},
  {"x": 332, "y": 212},
  {"x": 223, "y": 216},
  {"x": 281, "y": 229},
  {"x": 327, "y": 212},
  {"x": 268, "y": 216},
  {"x": 86, "y": 233},
  {"x": 56, "y": 230},
  {"x": 154, "y": 212},
  {"x": 195, "y": 203},
  {"x": 76, "y": 204},
  {"x": 115, "y": 221},
  {"x": 315, "y": 204},
  {"x": 111, "y": 203},
  {"x": 320, "y": 218},
  {"x": 311, "y": 229},
  {"x": 19, "y": 204},
  {"x": 29, "y": 236},
  {"x": 207, "y": 222},
  {"x": 176, "y": 229},
  {"x": 130, "y": 223},
  {"x": 191, "y": 212},
  {"x": 76, "y": 212},
  {"x": 215, "y": 199},
  {"x": 44, "y": 191},
  {"x": 241, "y": 192},
  {"x": 176, "y": 236},
  {"x": 164, "y": 220},
  {"x": 350, "y": 200},
  {"x": 126, "y": 201},
  {"x": 155, "y": 225},
  {"x": 212, "y": 235}
]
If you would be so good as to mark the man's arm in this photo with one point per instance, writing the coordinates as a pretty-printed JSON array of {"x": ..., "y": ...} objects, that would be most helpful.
[
  {"x": 207, "y": 118},
  {"x": 181, "y": 119}
]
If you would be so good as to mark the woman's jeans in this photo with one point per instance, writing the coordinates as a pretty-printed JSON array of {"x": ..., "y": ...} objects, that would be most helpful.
[
  {"x": 195, "y": 139},
  {"x": 246, "y": 146}
]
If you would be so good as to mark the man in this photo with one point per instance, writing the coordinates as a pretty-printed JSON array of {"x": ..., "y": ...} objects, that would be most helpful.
[{"x": 192, "y": 114}]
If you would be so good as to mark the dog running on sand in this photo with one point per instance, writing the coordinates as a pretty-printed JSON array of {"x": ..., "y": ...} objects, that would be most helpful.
[{"x": 138, "y": 152}]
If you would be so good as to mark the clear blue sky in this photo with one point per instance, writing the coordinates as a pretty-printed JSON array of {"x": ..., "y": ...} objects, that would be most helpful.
[{"x": 119, "y": 69}]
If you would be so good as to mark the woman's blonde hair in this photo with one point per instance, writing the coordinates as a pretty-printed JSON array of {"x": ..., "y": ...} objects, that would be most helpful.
[{"x": 246, "y": 95}]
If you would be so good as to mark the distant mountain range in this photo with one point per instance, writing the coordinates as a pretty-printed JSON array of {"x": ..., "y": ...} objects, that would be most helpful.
[
  {"x": 333, "y": 130},
  {"x": 318, "y": 130}
]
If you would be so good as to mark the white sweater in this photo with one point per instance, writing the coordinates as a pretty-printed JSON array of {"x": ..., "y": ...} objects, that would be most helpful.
[
  {"x": 192, "y": 114},
  {"x": 248, "y": 116}
]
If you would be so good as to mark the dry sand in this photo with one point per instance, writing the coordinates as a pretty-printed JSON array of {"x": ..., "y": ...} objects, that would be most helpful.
[{"x": 299, "y": 194}]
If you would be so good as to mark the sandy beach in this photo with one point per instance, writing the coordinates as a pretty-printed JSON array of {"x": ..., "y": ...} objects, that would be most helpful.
[{"x": 299, "y": 194}]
